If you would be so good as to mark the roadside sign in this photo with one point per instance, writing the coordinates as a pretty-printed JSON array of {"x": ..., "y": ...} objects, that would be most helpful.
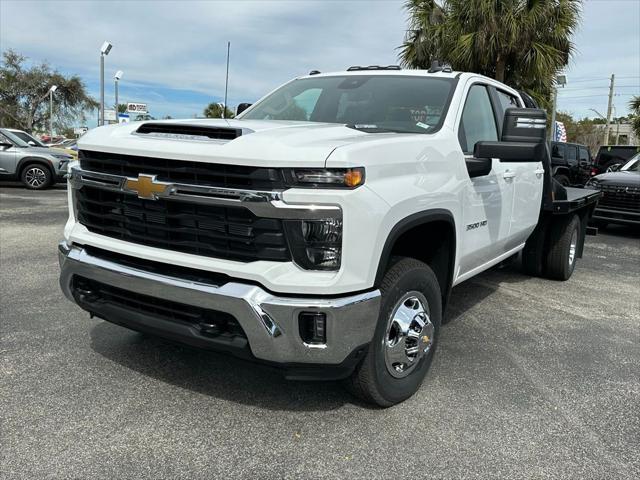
[
  {"x": 137, "y": 107},
  {"x": 123, "y": 118},
  {"x": 80, "y": 130},
  {"x": 110, "y": 115}
]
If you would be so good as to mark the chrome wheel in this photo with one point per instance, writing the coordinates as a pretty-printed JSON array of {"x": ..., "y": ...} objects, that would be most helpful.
[
  {"x": 409, "y": 334},
  {"x": 572, "y": 247},
  {"x": 36, "y": 177}
]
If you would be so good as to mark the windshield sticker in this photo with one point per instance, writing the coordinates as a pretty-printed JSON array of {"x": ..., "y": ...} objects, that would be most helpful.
[{"x": 423, "y": 125}]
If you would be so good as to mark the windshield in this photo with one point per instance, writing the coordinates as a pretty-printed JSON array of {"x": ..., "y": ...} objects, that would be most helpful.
[
  {"x": 632, "y": 165},
  {"x": 18, "y": 142},
  {"x": 375, "y": 103},
  {"x": 24, "y": 136}
]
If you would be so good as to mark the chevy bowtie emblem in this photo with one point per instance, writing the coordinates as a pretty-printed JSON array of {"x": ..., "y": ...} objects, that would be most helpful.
[{"x": 147, "y": 187}]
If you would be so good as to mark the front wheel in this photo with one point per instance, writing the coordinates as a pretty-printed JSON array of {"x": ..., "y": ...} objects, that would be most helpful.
[
  {"x": 406, "y": 335},
  {"x": 36, "y": 176}
]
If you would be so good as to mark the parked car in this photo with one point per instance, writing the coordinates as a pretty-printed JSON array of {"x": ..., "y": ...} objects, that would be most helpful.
[
  {"x": 322, "y": 230},
  {"x": 36, "y": 167},
  {"x": 611, "y": 157},
  {"x": 620, "y": 201},
  {"x": 571, "y": 163},
  {"x": 35, "y": 142}
]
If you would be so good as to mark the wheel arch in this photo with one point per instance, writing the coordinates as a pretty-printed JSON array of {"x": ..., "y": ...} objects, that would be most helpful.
[
  {"x": 39, "y": 160},
  {"x": 400, "y": 241}
]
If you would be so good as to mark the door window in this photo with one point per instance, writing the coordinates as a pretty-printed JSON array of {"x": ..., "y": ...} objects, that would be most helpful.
[
  {"x": 584, "y": 155},
  {"x": 557, "y": 150},
  {"x": 571, "y": 155},
  {"x": 478, "y": 121},
  {"x": 507, "y": 100}
]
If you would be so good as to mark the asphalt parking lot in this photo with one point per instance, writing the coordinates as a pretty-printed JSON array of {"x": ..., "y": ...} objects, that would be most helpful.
[{"x": 533, "y": 379}]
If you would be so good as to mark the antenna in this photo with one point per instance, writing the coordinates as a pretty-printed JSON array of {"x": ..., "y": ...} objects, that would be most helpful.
[{"x": 226, "y": 82}]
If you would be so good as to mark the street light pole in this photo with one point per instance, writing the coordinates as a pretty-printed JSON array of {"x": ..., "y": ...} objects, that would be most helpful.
[
  {"x": 104, "y": 51},
  {"x": 51, "y": 90}
]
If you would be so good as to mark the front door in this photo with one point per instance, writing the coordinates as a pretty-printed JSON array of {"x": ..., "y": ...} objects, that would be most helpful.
[
  {"x": 7, "y": 156},
  {"x": 488, "y": 199}
]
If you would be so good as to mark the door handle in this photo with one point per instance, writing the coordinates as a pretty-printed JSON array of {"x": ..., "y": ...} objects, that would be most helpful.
[
  {"x": 508, "y": 175},
  {"x": 539, "y": 172}
]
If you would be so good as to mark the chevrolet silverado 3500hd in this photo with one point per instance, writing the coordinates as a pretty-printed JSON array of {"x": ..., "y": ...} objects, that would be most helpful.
[{"x": 321, "y": 230}]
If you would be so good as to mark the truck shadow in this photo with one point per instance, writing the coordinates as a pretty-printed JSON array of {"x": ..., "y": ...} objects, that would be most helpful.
[
  {"x": 214, "y": 375},
  {"x": 232, "y": 379}
]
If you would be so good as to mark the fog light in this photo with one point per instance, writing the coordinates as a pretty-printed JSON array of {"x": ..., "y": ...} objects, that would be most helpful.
[{"x": 313, "y": 327}]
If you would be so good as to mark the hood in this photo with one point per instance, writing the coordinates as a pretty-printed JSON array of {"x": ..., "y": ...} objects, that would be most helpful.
[
  {"x": 272, "y": 142},
  {"x": 619, "y": 178}
]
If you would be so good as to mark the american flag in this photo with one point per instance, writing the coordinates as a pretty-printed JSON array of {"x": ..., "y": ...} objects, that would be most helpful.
[{"x": 560, "y": 132}]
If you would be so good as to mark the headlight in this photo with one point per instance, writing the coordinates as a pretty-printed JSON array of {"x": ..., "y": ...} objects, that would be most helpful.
[
  {"x": 593, "y": 183},
  {"x": 315, "y": 244},
  {"x": 326, "y": 177},
  {"x": 62, "y": 156}
]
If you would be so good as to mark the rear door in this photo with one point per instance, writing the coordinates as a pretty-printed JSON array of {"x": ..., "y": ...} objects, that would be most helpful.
[
  {"x": 584, "y": 165},
  {"x": 488, "y": 199},
  {"x": 527, "y": 181}
]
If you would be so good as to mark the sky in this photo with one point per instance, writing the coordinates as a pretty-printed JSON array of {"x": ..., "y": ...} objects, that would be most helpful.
[{"x": 173, "y": 53}]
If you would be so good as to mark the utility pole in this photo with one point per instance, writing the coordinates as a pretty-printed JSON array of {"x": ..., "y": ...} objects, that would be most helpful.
[
  {"x": 552, "y": 130},
  {"x": 226, "y": 82},
  {"x": 606, "y": 128}
]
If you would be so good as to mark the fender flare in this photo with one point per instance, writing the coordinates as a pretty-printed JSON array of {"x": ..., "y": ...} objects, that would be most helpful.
[
  {"x": 412, "y": 221},
  {"x": 39, "y": 160}
]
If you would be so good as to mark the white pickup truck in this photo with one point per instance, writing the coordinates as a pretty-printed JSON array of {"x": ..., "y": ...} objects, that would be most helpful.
[{"x": 322, "y": 229}]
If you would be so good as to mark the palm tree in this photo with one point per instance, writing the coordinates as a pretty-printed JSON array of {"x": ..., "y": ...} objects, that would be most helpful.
[
  {"x": 214, "y": 110},
  {"x": 523, "y": 43},
  {"x": 634, "y": 106}
]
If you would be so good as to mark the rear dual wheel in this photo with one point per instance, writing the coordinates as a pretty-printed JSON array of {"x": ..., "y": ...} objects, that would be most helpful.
[
  {"x": 406, "y": 335},
  {"x": 562, "y": 251}
]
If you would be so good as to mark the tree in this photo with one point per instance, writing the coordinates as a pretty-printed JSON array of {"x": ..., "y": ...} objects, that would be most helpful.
[
  {"x": 214, "y": 110},
  {"x": 585, "y": 131},
  {"x": 122, "y": 108},
  {"x": 523, "y": 43},
  {"x": 634, "y": 106},
  {"x": 24, "y": 99}
]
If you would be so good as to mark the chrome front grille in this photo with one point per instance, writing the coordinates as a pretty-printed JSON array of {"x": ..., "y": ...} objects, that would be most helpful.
[{"x": 232, "y": 233}]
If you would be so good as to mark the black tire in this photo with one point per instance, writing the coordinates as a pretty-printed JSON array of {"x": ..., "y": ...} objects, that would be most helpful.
[
  {"x": 562, "y": 180},
  {"x": 35, "y": 176},
  {"x": 372, "y": 381},
  {"x": 559, "y": 263}
]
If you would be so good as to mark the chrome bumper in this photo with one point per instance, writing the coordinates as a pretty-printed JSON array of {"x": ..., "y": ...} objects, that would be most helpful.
[{"x": 270, "y": 322}]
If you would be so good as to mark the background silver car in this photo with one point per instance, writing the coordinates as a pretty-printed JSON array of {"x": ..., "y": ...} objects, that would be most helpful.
[{"x": 36, "y": 167}]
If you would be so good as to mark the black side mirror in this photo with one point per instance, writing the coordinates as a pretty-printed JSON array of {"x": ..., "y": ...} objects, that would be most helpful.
[
  {"x": 242, "y": 107},
  {"x": 478, "y": 167},
  {"x": 524, "y": 125},
  {"x": 5, "y": 145}
]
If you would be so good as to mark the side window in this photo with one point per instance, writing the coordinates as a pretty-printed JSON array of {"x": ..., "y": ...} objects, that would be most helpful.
[
  {"x": 478, "y": 122},
  {"x": 584, "y": 155},
  {"x": 572, "y": 154},
  {"x": 557, "y": 150},
  {"x": 507, "y": 100}
]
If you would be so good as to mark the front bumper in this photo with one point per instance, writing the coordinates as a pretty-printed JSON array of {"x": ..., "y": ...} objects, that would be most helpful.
[
  {"x": 270, "y": 322},
  {"x": 612, "y": 215}
]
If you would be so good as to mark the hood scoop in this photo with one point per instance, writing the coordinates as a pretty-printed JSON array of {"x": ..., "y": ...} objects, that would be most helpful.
[{"x": 177, "y": 131}]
